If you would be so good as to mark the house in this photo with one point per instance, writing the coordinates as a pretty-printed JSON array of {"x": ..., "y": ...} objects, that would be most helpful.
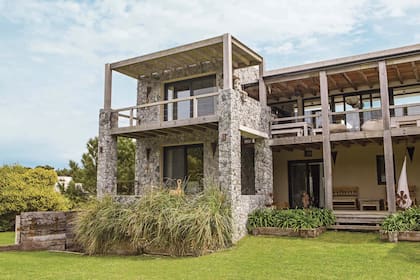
[{"x": 336, "y": 131}]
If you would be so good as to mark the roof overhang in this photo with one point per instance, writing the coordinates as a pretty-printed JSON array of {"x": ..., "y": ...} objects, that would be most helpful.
[
  {"x": 205, "y": 51},
  {"x": 356, "y": 62}
]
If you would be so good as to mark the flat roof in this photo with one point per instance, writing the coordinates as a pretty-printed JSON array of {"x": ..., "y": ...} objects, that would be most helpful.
[{"x": 344, "y": 61}]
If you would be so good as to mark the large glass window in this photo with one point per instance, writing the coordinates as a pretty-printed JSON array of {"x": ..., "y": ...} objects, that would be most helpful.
[
  {"x": 406, "y": 96},
  {"x": 194, "y": 87},
  {"x": 185, "y": 163}
]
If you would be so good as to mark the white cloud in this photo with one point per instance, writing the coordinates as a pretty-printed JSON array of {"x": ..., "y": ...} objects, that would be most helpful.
[{"x": 55, "y": 51}]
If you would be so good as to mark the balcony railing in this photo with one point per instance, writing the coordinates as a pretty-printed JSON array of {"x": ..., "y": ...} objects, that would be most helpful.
[
  {"x": 405, "y": 115},
  {"x": 295, "y": 126},
  {"x": 158, "y": 111},
  {"x": 348, "y": 121}
]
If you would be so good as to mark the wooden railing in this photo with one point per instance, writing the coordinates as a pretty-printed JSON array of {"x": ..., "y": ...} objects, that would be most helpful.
[
  {"x": 133, "y": 113},
  {"x": 353, "y": 120},
  {"x": 402, "y": 116},
  {"x": 294, "y": 126}
]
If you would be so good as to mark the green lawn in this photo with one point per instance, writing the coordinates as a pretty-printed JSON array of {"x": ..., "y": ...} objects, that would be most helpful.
[
  {"x": 335, "y": 255},
  {"x": 7, "y": 238}
]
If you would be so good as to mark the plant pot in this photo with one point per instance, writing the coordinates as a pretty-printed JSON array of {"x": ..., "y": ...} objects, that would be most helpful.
[{"x": 393, "y": 236}]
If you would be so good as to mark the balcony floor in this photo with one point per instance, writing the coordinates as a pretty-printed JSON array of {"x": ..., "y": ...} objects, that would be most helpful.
[{"x": 167, "y": 127}]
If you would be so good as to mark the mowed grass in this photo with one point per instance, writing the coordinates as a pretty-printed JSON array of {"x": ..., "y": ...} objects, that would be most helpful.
[
  {"x": 334, "y": 255},
  {"x": 7, "y": 238}
]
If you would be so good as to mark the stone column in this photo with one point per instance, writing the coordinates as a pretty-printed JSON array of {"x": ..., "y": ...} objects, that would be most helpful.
[
  {"x": 264, "y": 169},
  {"x": 107, "y": 155},
  {"x": 230, "y": 156}
]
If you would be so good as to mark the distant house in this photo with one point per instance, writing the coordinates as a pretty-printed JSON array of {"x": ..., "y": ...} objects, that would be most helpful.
[
  {"x": 63, "y": 181},
  {"x": 334, "y": 131}
]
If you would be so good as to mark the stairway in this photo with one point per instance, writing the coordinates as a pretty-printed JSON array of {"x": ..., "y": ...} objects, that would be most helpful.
[{"x": 359, "y": 220}]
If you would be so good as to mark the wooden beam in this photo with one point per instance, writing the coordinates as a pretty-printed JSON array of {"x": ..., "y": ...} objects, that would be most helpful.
[
  {"x": 383, "y": 86},
  {"x": 415, "y": 71},
  {"x": 256, "y": 57},
  {"x": 365, "y": 78},
  {"x": 399, "y": 76},
  {"x": 334, "y": 83},
  {"x": 261, "y": 85},
  {"x": 227, "y": 62},
  {"x": 108, "y": 87},
  {"x": 352, "y": 84},
  {"x": 388, "y": 151},
  {"x": 176, "y": 50},
  {"x": 326, "y": 144}
]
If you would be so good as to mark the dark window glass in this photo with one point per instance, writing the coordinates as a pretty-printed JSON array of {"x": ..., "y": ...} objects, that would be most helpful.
[
  {"x": 185, "y": 163},
  {"x": 184, "y": 109}
]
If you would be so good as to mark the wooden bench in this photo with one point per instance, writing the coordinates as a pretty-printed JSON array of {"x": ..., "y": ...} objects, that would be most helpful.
[
  {"x": 345, "y": 198},
  {"x": 297, "y": 128}
]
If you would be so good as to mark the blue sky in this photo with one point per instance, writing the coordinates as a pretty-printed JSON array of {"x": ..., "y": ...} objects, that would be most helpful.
[{"x": 53, "y": 54}]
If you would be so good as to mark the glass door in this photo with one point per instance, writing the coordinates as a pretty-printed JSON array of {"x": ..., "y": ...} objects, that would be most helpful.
[{"x": 306, "y": 177}]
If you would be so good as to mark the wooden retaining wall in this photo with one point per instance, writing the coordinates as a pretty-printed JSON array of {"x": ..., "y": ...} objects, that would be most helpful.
[{"x": 46, "y": 231}]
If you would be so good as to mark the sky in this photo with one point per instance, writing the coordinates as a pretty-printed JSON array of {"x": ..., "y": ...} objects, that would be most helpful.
[{"x": 53, "y": 54}]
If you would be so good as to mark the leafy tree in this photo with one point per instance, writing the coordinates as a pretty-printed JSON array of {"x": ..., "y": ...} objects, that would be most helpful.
[
  {"x": 25, "y": 189},
  {"x": 86, "y": 174}
]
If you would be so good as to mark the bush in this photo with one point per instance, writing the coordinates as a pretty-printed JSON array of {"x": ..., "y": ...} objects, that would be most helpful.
[
  {"x": 159, "y": 221},
  {"x": 291, "y": 218},
  {"x": 24, "y": 189},
  {"x": 408, "y": 220}
]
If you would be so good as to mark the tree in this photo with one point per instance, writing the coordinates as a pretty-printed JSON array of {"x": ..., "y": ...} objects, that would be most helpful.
[
  {"x": 86, "y": 174},
  {"x": 25, "y": 189}
]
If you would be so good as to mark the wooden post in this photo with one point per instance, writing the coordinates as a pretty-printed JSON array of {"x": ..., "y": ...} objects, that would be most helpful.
[
  {"x": 108, "y": 87},
  {"x": 326, "y": 145},
  {"x": 195, "y": 107},
  {"x": 131, "y": 116},
  {"x": 388, "y": 150},
  {"x": 261, "y": 85},
  {"x": 227, "y": 62}
]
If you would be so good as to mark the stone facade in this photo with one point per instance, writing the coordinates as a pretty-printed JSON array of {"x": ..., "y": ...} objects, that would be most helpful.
[
  {"x": 236, "y": 110},
  {"x": 107, "y": 155},
  {"x": 149, "y": 158},
  {"x": 221, "y": 147}
]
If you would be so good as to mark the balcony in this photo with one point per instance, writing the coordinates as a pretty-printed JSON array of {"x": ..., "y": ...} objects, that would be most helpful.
[{"x": 167, "y": 117}]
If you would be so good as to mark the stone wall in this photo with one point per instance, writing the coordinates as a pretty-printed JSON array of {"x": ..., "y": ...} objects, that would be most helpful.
[
  {"x": 46, "y": 231},
  {"x": 107, "y": 155},
  {"x": 149, "y": 156},
  {"x": 235, "y": 109}
]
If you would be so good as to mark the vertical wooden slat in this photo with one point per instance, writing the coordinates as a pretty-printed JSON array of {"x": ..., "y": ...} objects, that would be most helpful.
[
  {"x": 195, "y": 107},
  {"x": 388, "y": 150},
  {"x": 227, "y": 62},
  {"x": 326, "y": 145},
  {"x": 131, "y": 116},
  {"x": 108, "y": 87}
]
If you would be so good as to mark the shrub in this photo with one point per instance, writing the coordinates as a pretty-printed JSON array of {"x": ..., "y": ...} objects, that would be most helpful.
[
  {"x": 102, "y": 225},
  {"x": 24, "y": 189},
  {"x": 291, "y": 218},
  {"x": 158, "y": 221},
  {"x": 408, "y": 220}
]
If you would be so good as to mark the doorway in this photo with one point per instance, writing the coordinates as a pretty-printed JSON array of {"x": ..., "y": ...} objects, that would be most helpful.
[{"x": 306, "y": 176}]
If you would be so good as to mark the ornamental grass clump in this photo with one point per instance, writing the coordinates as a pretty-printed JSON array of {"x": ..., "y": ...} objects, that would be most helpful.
[
  {"x": 159, "y": 222},
  {"x": 408, "y": 220},
  {"x": 102, "y": 225}
]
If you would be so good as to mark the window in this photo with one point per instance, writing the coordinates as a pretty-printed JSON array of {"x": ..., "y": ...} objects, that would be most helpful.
[
  {"x": 247, "y": 167},
  {"x": 185, "y": 163},
  {"x": 380, "y": 170},
  {"x": 194, "y": 87}
]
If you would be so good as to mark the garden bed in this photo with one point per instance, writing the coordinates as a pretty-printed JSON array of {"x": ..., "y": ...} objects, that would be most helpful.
[
  {"x": 275, "y": 231},
  {"x": 402, "y": 226},
  {"x": 400, "y": 236}
]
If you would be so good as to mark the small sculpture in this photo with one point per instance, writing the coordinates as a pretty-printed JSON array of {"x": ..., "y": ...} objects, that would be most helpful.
[{"x": 178, "y": 191}]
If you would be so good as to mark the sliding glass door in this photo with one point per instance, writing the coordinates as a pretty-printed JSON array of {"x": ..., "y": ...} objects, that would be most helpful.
[{"x": 185, "y": 163}]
